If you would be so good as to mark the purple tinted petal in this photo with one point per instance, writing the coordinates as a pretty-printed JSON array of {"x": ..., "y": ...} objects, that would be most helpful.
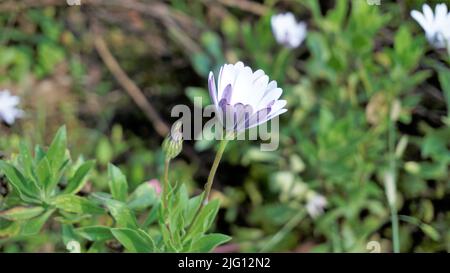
[
  {"x": 227, "y": 92},
  {"x": 227, "y": 114},
  {"x": 212, "y": 88},
  {"x": 258, "y": 117},
  {"x": 252, "y": 120},
  {"x": 270, "y": 104},
  {"x": 241, "y": 114}
]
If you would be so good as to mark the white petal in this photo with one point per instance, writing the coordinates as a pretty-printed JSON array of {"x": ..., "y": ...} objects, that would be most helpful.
[
  {"x": 279, "y": 112},
  {"x": 271, "y": 95},
  {"x": 420, "y": 19},
  {"x": 440, "y": 11},
  {"x": 277, "y": 106},
  {"x": 428, "y": 13},
  {"x": 243, "y": 86}
]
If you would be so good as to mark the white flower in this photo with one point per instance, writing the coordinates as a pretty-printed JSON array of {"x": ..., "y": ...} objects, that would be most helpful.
[
  {"x": 8, "y": 111},
  {"x": 436, "y": 26},
  {"x": 244, "y": 99},
  {"x": 287, "y": 30},
  {"x": 316, "y": 205}
]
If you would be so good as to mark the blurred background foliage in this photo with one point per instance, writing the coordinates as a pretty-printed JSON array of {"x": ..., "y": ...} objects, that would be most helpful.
[{"x": 362, "y": 68}]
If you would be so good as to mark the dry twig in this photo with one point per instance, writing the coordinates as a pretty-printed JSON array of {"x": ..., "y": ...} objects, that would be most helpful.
[{"x": 130, "y": 87}]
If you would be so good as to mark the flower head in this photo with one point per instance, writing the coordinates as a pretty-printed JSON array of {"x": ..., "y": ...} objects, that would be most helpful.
[
  {"x": 316, "y": 205},
  {"x": 244, "y": 99},
  {"x": 8, "y": 107},
  {"x": 173, "y": 143},
  {"x": 436, "y": 26},
  {"x": 287, "y": 30}
]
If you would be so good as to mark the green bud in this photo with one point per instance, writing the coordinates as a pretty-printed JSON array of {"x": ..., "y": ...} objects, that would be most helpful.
[{"x": 173, "y": 144}]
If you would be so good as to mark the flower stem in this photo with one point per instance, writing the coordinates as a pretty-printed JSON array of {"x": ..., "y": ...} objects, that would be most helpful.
[
  {"x": 212, "y": 172},
  {"x": 209, "y": 182},
  {"x": 392, "y": 167},
  {"x": 284, "y": 230},
  {"x": 166, "y": 183},
  {"x": 395, "y": 231}
]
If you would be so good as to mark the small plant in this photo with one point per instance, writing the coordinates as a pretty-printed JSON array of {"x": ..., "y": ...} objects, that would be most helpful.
[
  {"x": 43, "y": 185},
  {"x": 47, "y": 184}
]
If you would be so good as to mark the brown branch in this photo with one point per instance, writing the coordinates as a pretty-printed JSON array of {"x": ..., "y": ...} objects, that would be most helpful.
[
  {"x": 245, "y": 5},
  {"x": 138, "y": 97},
  {"x": 130, "y": 87}
]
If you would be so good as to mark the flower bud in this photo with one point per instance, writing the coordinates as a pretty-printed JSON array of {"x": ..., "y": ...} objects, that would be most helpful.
[{"x": 173, "y": 144}]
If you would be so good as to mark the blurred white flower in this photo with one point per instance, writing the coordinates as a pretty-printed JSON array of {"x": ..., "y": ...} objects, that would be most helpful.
[
  {"x": 244, "y": 99},
  {"x": 287, "y": 30},
  {"x": 316, "y": 205},
  {"x": 8, "y": 107},
  {"x": 436, "y": 26}
]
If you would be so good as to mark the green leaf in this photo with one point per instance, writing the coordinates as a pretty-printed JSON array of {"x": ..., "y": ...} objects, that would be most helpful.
[
  {"x": 76, "y": 204},
  {"x": 10, "y": 229},
  {"x": 39, "y": 153},
  {"x": 205, "y": 218},
  {"x": 134, "y": 240},
  {"x": 208, "y": 242},
  {"x": 28, "y": 191},
  {"x": 44, "y": 174},
  {"x": 26, "y": 161},
  {"x": 77, "y": 181},
  {"x": 104, "y": 151},
  {"x": 33, "y": 226},
  {"x": 192, "y": 207},
  {"x": 121, "y": 213},
  {"x": 117, "y": 183},
  {"x": 21, "y": 213},
  {"x": 57, "y": 151},
  {"x": 95, "y": 233},
  {"x": 142, "y": 197},
  {"x": 68, "y": 234}
]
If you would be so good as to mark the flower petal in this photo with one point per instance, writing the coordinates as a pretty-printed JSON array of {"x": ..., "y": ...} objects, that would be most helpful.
[{"x": 212, "y": 88}]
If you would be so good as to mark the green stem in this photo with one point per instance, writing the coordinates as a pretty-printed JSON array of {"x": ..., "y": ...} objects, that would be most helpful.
[
  {"x": 209, "y": 182},
  {"x": 166, "y": 183},
  {"x": 392, "y": 167},
  {"x": 283, "y": 231},
  {"x": 212, "y": 172},
  {"x": 395, "y": 231}
]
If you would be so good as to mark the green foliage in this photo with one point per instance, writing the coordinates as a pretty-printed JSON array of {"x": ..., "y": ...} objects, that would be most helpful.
[
  {"x": 36, "y": 180},
  {"x": 364, "y": 75}
]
